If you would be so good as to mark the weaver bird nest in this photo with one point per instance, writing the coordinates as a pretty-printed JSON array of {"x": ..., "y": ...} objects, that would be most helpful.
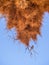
[{"x": 25, "y": 16}]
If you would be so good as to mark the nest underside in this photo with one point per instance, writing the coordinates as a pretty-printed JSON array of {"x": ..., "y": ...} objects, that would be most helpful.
[{"x": 25, "y": 16}]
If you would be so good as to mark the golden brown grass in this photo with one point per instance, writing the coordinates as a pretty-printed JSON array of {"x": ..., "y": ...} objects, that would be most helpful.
[{"x": 25, "y": 16}]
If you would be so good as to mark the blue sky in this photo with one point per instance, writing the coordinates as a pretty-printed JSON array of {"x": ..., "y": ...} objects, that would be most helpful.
[{"x": 14, "y": 53}]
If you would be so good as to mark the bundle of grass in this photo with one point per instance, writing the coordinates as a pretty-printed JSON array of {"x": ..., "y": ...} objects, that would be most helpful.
[{"x": 25, "y": 16}]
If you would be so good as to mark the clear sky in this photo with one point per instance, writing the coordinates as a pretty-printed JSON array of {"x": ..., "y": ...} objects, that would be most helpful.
[{"x": 14, "y": 53}]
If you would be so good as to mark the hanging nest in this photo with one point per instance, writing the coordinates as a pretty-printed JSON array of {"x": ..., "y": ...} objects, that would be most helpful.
[{"x": 26, "y": 16}]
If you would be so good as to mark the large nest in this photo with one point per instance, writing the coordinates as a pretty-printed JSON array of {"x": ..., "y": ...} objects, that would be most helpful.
[{"x": 25, "y": 16}]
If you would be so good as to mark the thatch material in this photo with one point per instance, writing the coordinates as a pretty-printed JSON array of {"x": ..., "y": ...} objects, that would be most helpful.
[{"x": 25, "y": 16}]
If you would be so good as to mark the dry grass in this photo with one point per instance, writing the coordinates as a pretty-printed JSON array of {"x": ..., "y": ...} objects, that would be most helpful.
[{"x": 25, "y": 16}]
